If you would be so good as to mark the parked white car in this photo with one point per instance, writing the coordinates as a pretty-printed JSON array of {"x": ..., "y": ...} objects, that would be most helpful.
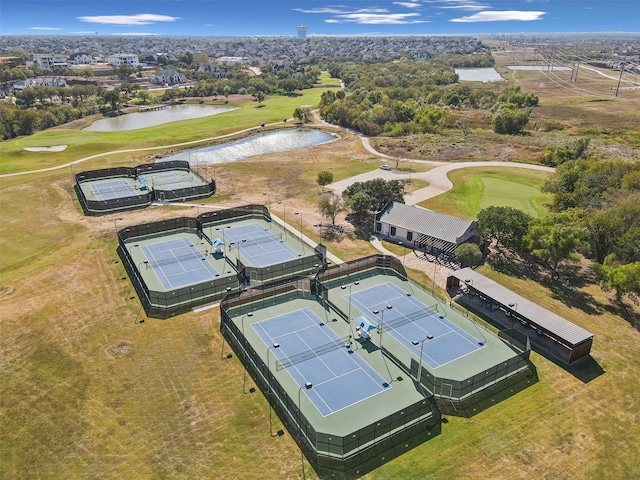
[{"x": 385, "y": 167}]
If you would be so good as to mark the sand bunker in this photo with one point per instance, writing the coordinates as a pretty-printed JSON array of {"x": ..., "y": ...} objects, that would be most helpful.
[{"x": 55, "y": 148}]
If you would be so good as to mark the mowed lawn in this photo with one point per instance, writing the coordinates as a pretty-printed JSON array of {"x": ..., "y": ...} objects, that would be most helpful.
[
  {"x": 86, "y": 391},
  {"x": 133, "y": 145},
  {"x": 478, "y": 188}
]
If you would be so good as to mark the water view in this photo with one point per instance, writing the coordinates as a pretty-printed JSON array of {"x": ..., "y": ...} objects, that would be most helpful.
[
  {"x": 173, "y": 113},
  {"x": 479, "y": 75},
  {"x": 273, "y": 142}
]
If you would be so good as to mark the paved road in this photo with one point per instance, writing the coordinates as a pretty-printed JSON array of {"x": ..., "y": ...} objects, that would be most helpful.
[{"x": 439, "y": 182}]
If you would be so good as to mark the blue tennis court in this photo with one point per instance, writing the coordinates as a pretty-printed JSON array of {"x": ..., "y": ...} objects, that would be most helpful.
[
  {"x": 258, "y": 245},
  {"x": 409, "y": 320},
  {"x": 178, "y": 263},
  {"x": 311, "y": 352},
  {"x": 116, "y": 188},
  {"x": 171, "y": 180}
]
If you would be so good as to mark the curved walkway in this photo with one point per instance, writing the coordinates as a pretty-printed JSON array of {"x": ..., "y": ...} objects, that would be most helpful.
[{"x": 438, "y": 179}]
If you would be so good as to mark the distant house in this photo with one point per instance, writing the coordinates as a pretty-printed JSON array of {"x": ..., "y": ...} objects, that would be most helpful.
[
  {"x": 123, "y": 58},
  {"x": 83, "y": 59},
  {"x": 214, "y": 70},
  {"x": 38, "y": 82},
  {"x": 280, "y": 64},
  {"x": 424, "y": 229},
  {"x": 168, "y": 76},
  {"x": 47, "y": 62}
]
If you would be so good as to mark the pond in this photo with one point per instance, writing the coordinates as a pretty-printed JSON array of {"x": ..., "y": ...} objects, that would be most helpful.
[
  {"x": 173, "y": 113},
  {"x": 479, "y": 75},
  {"x": 273, "y": 142}
]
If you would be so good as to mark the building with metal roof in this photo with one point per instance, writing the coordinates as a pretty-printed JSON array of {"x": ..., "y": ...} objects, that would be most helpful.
[
  {"x": 551, "y": 330},
  {"x": 424, "y": 228}
]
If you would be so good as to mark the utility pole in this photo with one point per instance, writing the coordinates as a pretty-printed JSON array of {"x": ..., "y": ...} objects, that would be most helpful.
[
  {"x": 619, "y": 79},
  {"x": 577, "y": 68},
  {"x": 572, "y": 68}
]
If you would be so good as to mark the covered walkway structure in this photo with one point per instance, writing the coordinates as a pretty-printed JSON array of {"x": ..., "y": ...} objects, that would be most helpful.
[{"x": 554, "y": 335}]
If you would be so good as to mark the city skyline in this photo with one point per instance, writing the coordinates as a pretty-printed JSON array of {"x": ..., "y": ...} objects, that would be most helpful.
[{"x": 281, "y": 17}]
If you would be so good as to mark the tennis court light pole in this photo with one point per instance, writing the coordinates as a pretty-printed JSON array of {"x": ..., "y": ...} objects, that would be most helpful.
[
  {"x": 244, "y": 375},
  {"x": 381, "y": 312},
  {"x": 115, "y": 224},
  {"x": 421, "y": 342},
  {"x": 274, "y": 346},
  {"x": 308, "y": 386},
  {"x": 344, "y": 287},
  {"x": 298, "y": 213},
  {"x": 284, "y": 217},
  {"x": 514, "y": 306}
]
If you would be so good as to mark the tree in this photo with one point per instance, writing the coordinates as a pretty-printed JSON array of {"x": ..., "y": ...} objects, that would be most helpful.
[
  {"x": 507, "y": 119},
  {"x": 360, "y": 204},
  {"x": 553, "y": 243},
  {"x": 124, "y": 71},
  {"x": 226, "y": 91},
  {"x": 505, "y": 225},
  {"x": 86, "y": 72},
  {"x": 289, "y": 85},
  {"x": 469, "y": 254},
  {"x": 603, "y": 232},
  {"x": 113, "y": 97},
  {"x": 258, "y": 96},
  {"x": 623, "y": 278},
  {"x": 325, "y": 177},
  {"x": 379, "y": 191},
  {"x": 330, "y": 206},
  {"x": 303, "y": 114},
  {"x": 27, "y": 122},
  {"x": 463, "y": 125}
]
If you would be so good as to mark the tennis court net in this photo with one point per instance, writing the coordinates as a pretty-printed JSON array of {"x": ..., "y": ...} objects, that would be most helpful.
[
  {"x": 121, "y": 188},
  {"x": 410, "y": 317},
  {"x": 176, "y": 259},
  {"x": 248, "y": 242},
  {"x": 332, "y": 346}
]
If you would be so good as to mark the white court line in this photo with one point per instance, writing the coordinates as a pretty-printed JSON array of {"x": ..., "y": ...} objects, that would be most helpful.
[
  {"x": 145, "y": 250},
  {"x": 315, "y": 324}
]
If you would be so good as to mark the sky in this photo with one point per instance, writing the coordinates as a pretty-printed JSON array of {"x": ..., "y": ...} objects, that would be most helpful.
[{"x": 321, "y": 17}]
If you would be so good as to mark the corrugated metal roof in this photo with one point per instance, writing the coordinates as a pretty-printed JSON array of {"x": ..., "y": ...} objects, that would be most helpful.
[
  {"x": 525, "y": 308},
  {"x": 423, "y": 221}
]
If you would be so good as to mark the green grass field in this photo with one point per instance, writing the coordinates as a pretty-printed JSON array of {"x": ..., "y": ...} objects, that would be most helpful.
[
  {"x": 144, "y": 141},
  {"x": 478, "y": 188},
  {"x": 88, "y": 392}
]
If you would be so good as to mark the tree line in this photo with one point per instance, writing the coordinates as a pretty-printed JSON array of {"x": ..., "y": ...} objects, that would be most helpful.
[
  {"x": 595, "y": 213},
  {"x": 408, "y": 97}
]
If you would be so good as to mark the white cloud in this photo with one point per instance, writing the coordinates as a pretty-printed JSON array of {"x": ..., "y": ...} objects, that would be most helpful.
[
  {"x": 139, "y": 19},
  {"x": 341, "y": 10},
  {"x": 52, "y": 29},
  {"x": 504, "y": 16},
  {"x": 377, "y": 18},
  {"x": 365, "y": 16},
  {"x": 408, "y": 4},
  {"x": 468, "y": 5}
]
